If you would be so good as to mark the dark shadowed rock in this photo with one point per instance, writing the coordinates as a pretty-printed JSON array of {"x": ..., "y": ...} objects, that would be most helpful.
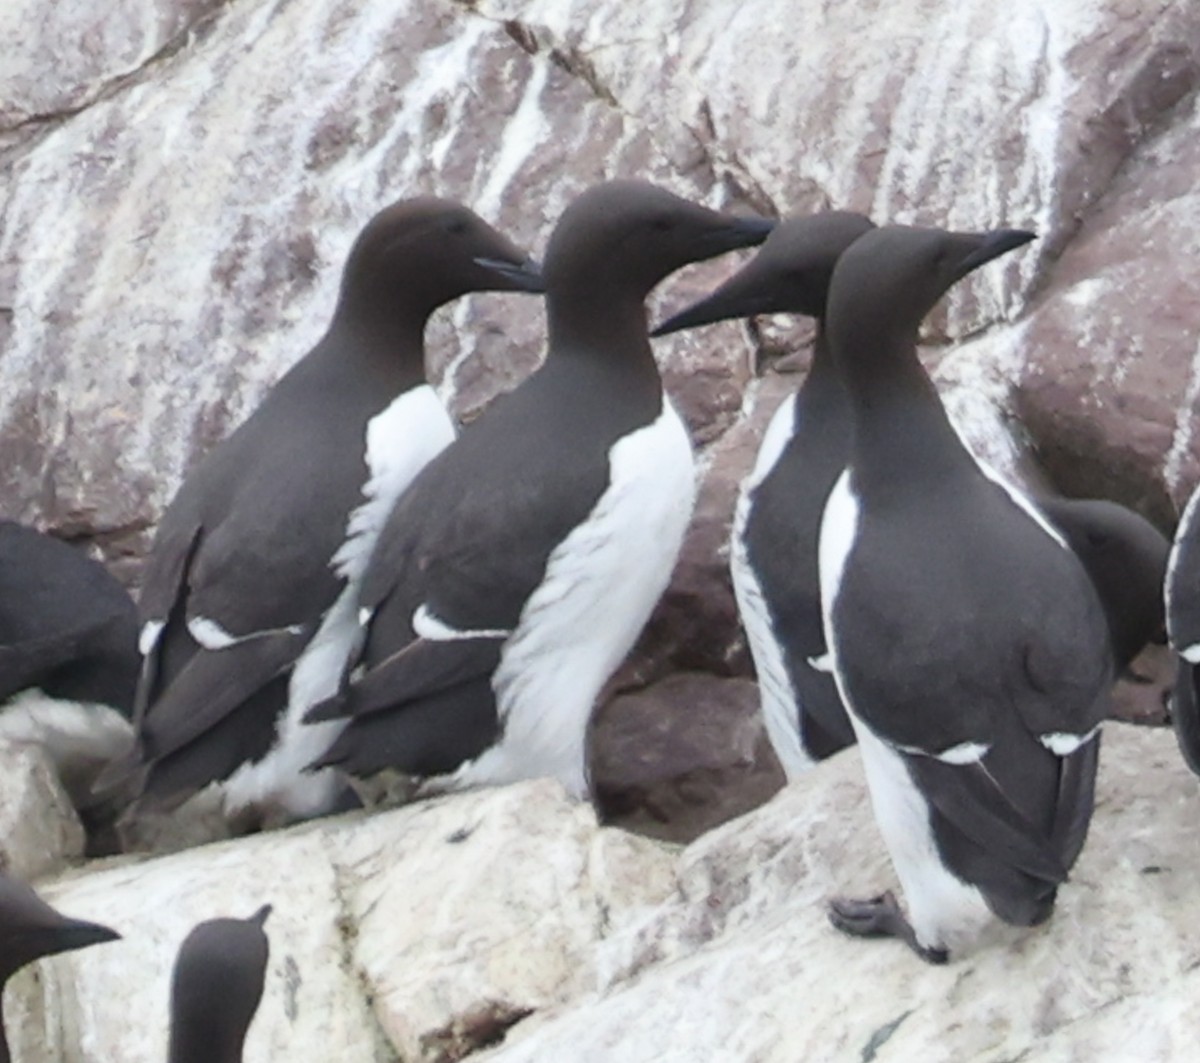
[
  {"x": 682, "y": 756},
  {"x": 1142, "y": 700}
]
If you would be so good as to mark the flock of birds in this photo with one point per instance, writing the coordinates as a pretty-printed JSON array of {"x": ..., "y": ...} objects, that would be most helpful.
[{"x": 347, "y": 589}]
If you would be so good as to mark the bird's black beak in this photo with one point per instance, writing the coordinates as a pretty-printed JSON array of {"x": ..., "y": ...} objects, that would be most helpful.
[
  {"x": 992, "y": 245},
  {"x": 78, "y": 934},
  {"x": 523, "y": 276},
  {"x": 738, "y": 232},
  {"x": 743, "y": 295}
]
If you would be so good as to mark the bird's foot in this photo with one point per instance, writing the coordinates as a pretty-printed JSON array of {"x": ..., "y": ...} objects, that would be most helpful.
[{"x": 880, "y": 917}]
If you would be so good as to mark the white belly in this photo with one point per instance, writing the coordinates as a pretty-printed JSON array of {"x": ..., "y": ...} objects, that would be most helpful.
[
  {"x": 601, "y": 584},
  {"x": 776, "y": 695},
  {"x": 401, "y": 441},
  {"x": 945, "y": 912}
]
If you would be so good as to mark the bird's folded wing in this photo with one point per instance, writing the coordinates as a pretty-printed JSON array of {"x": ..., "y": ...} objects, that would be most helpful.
[
  {"x": 212, "y": 685},
  {"x": 969, "y": 798},
  {"x": 1185, "y": 714},
  {"x": 1076, "y": 799},
  {"x": 422, "y": 668}
]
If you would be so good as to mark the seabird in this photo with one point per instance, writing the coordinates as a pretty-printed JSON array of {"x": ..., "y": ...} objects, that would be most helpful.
[
  {"x": 248, "y": 600},
  {"x": 516, "y": 573},
  {"x": 773, "y": 545},
  {"x": 965, "y": 636},
  {"x": 31, "y": 929},
  {"x": 1182, "y": 595},
  {"x": 68, "y": 655},
  {"x": 216, "y": 988}
]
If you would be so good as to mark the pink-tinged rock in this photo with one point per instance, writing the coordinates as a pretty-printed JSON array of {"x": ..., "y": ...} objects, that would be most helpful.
[
  {"x": 169, "y": 251},
  {"x": 1142, "y": 698},
  {"x": 60, "y": 57},
  {"x": 968, "y": 115},
  {"x": 682, "y": 756},
  {"x": 1110, "y": 391}
]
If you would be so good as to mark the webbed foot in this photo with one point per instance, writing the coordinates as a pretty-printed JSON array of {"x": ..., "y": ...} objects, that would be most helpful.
[{"x": 880, "y": 917}]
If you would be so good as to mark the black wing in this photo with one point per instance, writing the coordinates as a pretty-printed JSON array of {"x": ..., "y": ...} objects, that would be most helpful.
[
  {"x": 246, "y": 546},
  {"x": 470, "y": 540}
]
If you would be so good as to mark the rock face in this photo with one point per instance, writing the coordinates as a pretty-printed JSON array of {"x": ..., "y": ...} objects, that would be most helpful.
[
  {"x": 423, "y": 933},
  {"x": 682, "y": 756},
  {"x": 505, "y": 925},
  {"x": 39, "y": 831},
  {"x": 179, "y": 194},
  {"x": 742, "y": 964}
]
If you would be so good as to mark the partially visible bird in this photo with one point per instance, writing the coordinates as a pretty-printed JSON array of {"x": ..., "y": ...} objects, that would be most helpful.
[
  {"x": 1126, "y": 558},
  {"x": 773, "y": 546},
  {"x": 68, "y": 655},
  {"x": 1182, "y": 595},
  {"x": 216, "y": 988},
  {"x": 30, "y": 929}
]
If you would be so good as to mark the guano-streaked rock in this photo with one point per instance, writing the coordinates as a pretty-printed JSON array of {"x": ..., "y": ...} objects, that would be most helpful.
[
  {"x": 742, "y": 963},
  {"x": 422, "y": 932},
  {"x": 39, "y": 831}
]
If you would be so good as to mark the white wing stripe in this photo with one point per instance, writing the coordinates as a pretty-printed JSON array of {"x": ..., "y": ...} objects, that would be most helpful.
[
  {"x": 1062, "y": 744},
  {"x": 428, "y": 626},
  {"x": 148, "y": 637}
]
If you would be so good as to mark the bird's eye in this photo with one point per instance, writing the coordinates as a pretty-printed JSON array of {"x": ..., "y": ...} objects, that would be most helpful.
[
  {"x": 662, "y": 225},
  {"x": 456, "y": 227}
]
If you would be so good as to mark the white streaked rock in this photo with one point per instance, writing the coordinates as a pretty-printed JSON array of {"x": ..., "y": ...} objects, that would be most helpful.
[
  {"x": 39, "y": 831},
  {"x": 430, "y": 928},
  {"x": 507, "y": 918}
]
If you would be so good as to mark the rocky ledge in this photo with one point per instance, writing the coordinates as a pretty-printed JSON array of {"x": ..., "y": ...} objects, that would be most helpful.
[{"x": 507, "y": 925}]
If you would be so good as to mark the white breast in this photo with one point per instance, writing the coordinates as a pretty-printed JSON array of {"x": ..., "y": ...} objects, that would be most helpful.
[
  {"x": 777, "y": 696},
  {"x": 401, "y": 441},
  {"x": 600, "y": 586},
  {"x": 839, "y": 527}
]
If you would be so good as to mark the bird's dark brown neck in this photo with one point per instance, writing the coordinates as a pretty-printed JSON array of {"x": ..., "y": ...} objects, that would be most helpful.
[
  {"x": 390, "y": 350},
  {"x": 610, "y": 328},
  {"x": 901, "y": 428},
  {"x": 824, "y": 379}
]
